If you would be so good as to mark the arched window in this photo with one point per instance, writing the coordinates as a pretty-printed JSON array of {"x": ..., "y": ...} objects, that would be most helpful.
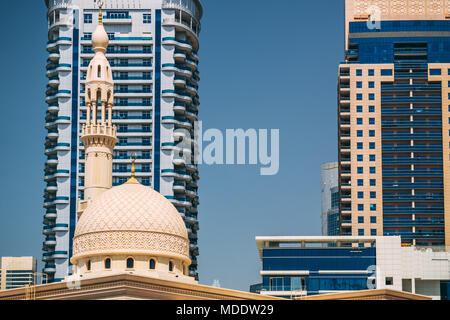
[
  {"x": 170, "y": 266},
  {"x": 152, "y": 264},
  {"x": 99, "y": 71},
  {"x": 88, "y": 265},
  {"x": 107, "y": 263},
  {"x": 130, "y": 263}
]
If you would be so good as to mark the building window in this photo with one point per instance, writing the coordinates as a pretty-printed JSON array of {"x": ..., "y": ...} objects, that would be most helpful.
[
  {"x": 359, "y": 109},
  {"x": 371, "y": 72},
  {"x": 371, "y": 96},
  {"x": 371, "y": 108},
  {"x": 371, "y": 120},
  {"x": 373, "y": 207},
  {"x": 87, "y": 18},
  {"x": 360, "y": 232},
  {"x": 359, "y": 121},
  {"x": 147, "y": 18},
  {"x": 372, "y": 170},
  {"x": 373, "y": 182},
  {"x": 88, "y": 265},
  {"x": 152, "y": 264},
  {"x": 372, "y": 157},
  {"x": 360, "y": 207},
  {"x": 360, "y": 195},
  {"x": 389, "y": 281},
  {"x": 435, "y": 72},
  {"x": 371, "y": 133},
  {"x": 373, "y": 195},
  {"x": 360, "y": 170},
  {"x": 360, "y": 157},
  {"x": 359, "y": 133},
  {"x": 170, "y": 266},
  {"x": 372, "y": 145},
  {"x": 360, "y": 219},
  {"x": 359, "y": 96},
  {"x": 359, "y": 145},
  {"x": 360, "y": 183},
  {"x": 359, "y": 84},
  {"x": 107, "y": 263},
  {"x": 386, "y": 72},
  {"x": 373, "y": 219},
  {"x": 373, "y": 232},
  {"x": 359, "y": 72},
  {"x": 371, "y": 84},
  {"x": 130, "y": 263}
]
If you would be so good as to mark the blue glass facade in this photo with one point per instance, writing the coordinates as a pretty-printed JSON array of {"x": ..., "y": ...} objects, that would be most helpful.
[
  {"x": 411, "y": 123},
  {"x": 325, "y": 268}
]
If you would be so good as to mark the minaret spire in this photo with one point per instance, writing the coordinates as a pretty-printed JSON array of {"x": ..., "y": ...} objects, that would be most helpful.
[
  {"x": 100, "y": 16},
  {"x": 99, "y": 135}
]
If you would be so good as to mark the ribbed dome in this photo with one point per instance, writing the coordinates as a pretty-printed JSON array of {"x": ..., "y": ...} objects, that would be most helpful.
[{"x": 131, "y": 219}]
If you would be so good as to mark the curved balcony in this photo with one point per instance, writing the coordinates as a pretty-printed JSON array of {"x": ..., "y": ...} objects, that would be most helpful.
[
  {"x": 64, "y": 67},
  {"x": 50, "y": 241},
  {"x": 50, "y": 268},
  {"x": 60, "y": 255},
  {"x": 180, "y": 70},
  {"x": 181, "y": 175},
  {"x": 53, "y": 108},
  {"x": 47, "y": 230},
  {"x": 170, "y": 93},
  {"x": 179, "y": 55},
  {"x": 179, "y": 187},
  {"x": 53, "y": 81},
  {"x": 54, "y": 56},
  {"x": 60, "y": 227},
  {"x": 50, "y": 214},
  {"x": 181, "y": 44},
  {"x": 176, "y": 121},
  {"x": 52, "y": 134},
  {"x": 179, "y": 81},
  {"x": 183, "y": 26},
  {"x": 51, "y": 187}
]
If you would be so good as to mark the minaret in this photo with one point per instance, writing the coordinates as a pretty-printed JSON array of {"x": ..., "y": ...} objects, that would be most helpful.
[{"x": 99, "y": 136}]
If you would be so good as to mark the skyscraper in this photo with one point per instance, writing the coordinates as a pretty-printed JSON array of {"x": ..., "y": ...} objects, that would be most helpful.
[
  {"x": 330, "y": 199},
  {"x": 394, "y": 121},
  {"x": 152, "y": 51}
]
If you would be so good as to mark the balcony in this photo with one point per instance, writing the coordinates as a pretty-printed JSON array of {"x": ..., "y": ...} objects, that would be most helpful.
[
  {"x": 407, "y": 111},
  {"x": 385, "y": 99},
  {"x": 183, "y": 44},
  {"x": 410, "y": 210},
  {"x": 408, "y": 160},
  {"x": 414, "y": 124},
  {"x": 415, "y": 235},
  {"x": 413, "y": 173},
  {"x": 412, "y": 136},
  {"x": 417, "y": 197},
  {"x": 438, "y": 185}
]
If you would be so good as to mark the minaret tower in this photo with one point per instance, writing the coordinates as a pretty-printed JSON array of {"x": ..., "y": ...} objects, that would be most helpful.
[{"x": 99, "y": 136}]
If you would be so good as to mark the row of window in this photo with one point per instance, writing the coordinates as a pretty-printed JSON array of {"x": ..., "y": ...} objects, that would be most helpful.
[
  {"x": 360, "y": 133},
  {"x": 129, "y": 264},
  {"x": 360, "y": 121},
  {"x": 371, "y": 84},
  {"x": 372, "y": 182},
  {"x": 360, "y": 158},
  {"x": 371, "y": 96},
  {"x": 373, "y": 207},
  {"x": 360, "y": 145},
  {"x": 372, "y": 219},
  {"x": 359, "y": 109},
  {"x": 146, "y": 17},
  {"x": 372, "y": 170},
  {"x": 373, "y": 195},
  {"x": 373, "y": 232},
  {"x": 371, "y": 72}
]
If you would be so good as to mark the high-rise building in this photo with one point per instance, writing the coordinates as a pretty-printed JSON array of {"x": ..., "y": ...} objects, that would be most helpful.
[
  {"x": 394, "y": 121},
  {"x": 152, "y": 52},
  {"x": 330, "y": 199},
  {"x": 17, "y": 272}
]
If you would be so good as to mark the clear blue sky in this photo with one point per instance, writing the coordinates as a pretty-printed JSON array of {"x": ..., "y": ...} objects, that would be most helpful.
[{"x": 263, "y": 64}]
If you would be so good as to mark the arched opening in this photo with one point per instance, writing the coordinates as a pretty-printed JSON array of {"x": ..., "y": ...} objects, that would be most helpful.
[
  {"x": 130, "y": 263},
  {"x": 107, "y": 263},
  {"x": 88, "y": 265},
  {"x": 152, "y": 264},
  {"x": 170, "y": 266},
  {"x": 99, "y": 71}
]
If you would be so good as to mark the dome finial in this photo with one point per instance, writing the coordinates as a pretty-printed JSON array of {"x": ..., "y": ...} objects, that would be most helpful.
[
  {"x": 133, "y": 170},
  {"x": 100, "y": 4}
]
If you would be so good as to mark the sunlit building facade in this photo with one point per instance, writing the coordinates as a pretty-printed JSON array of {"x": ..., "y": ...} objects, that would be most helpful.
[
  {"x": 17, "y": 272},
  {"x": 153, "y": 53},
  {"x": 394, "y": 121}
]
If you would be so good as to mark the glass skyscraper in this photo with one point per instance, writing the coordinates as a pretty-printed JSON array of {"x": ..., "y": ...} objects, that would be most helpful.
[
  {"x": 394, "y": 121},
  {"x": 153, "y": 52},
  {"x": 330, "y": 199}
]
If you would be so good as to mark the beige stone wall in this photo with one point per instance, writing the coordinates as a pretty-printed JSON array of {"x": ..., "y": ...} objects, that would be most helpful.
[{"x": 366, "y": 152}]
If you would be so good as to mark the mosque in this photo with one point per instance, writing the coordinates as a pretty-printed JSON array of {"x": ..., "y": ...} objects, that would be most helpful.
[{"x": 130, "y": 242}]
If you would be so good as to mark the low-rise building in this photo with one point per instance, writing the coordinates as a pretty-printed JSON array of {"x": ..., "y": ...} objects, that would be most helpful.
[
  {"x": 17, "y": 272},
  {"x": 296, "y": 267}
]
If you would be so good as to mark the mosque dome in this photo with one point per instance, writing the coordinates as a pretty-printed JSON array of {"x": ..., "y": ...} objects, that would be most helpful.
[{"x": 131, "y": 219}]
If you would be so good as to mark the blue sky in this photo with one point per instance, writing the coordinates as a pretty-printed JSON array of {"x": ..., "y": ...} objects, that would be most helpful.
[{"x": 263, "y": 65}]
